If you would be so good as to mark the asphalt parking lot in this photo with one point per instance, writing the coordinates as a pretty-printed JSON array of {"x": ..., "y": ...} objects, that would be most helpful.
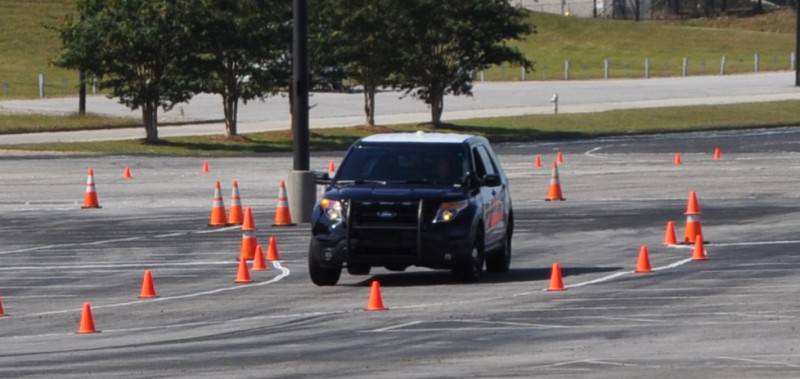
[{"x": 734, "y": 315}]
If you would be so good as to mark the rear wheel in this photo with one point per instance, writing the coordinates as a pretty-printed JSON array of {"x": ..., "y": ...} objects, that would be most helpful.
[
  {"x": 322, "y": 275},
  {"x": 469, "y": 268}
]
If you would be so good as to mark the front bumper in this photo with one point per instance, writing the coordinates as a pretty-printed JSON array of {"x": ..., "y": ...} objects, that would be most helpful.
[{"x": 426, "y": 244}]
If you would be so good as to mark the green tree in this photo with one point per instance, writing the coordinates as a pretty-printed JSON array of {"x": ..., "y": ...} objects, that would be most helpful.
[
  {"x": 444, "y": 42},
  {"x": 240, "y": 46},
  {"x": 138, "y": 48},
  {"x": 363, "y": 35}
]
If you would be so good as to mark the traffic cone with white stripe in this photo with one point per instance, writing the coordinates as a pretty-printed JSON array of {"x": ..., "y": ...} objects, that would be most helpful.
[
  {"x": 282, "y": 215},
  {"x": 677, "y": 160},
  {"x": 204, "y": 168},
  {"x": 717, "y": 154},
  {"x": 217, "y": 218},
  {"x": 249, "y": 241},
  {"x": 554, "y": 192},
  {"x": 235, "y": 216},
  {"x": 560, "y": 158},
  {"x": 693, "y": 227},
  {"x": 90, "y": 196}
]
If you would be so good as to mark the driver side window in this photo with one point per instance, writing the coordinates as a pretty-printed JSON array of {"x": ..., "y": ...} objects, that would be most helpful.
[{"x": 483, "y": 165}]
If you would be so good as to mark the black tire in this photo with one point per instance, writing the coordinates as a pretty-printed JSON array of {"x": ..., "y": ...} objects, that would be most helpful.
[
  {"x": 500, "y": 259},
  {"x": 322, "y": 275},
  {"x": 354, "y": 269},
  {"x": 470, "y": 267}
]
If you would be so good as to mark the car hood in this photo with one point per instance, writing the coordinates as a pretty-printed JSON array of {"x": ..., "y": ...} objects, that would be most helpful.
[{"x": 389, "y": 193}]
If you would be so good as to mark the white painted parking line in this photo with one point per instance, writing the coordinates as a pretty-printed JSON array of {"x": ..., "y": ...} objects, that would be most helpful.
[
  {"x": 118, "y": 265},
  {"x": 759, "y": 361},
  {"x": 104, "y": 242},
  {"x": 284, "y": 273}
]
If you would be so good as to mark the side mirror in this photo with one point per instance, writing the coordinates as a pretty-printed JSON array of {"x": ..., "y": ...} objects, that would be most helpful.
[
  {"x": 491, "y": 180},
  {"x": 321, "y": 178}
]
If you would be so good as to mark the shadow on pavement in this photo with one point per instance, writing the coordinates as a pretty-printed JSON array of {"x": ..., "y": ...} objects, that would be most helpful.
[{"x": 443, "y": 277}]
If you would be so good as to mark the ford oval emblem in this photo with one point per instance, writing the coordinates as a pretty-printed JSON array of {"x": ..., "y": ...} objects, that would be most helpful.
[{"x": 387, "y": 215}]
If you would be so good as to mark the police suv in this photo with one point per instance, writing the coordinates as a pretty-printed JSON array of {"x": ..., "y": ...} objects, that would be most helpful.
[{"x": 424, "y": 199}]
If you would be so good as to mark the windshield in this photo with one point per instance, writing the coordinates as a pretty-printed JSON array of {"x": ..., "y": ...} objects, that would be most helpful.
[{"x": 437, "y": 164}]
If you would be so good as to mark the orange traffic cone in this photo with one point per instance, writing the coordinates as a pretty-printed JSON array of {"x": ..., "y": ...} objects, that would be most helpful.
[
  {"x": 148, "y": 289},
  {"x": 693, "y": 226},
  {"x": 375, "y": 302},
  {"x": 126, "y": 173},
  {"x": 677, "y": 160},
  {"x": 537, "y": 161},
  {"x": 243, "y": 275},
  {"x": 717, "y": 154},
  {"x": 217, "y": 218},
  {"x": 699, "y": 253},
  {"x": 556, "y": 283},
  {"x": 669, "y": 234},
  {"x": 554, "y": 192},
  {"x": 282, "y": 215},
  {"x": 643, "y": 263},
  {"x": 258, "y": 260},
  {"x": 90, "y": 196},
  {"x": 249, "y": 241},
  {"x": 87, "y": 321},
  {"x": 272, "y": 250},
  {"x": 331, "y": 169},
  {"x": 2, "y": 312},
  {"x": 204, "y": 168},
  {"x": 560, "y": 158},
  {"x": 235, "y": 216}
]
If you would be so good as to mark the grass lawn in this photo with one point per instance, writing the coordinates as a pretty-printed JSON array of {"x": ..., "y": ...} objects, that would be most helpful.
[
  {"x": 517, "y": 128},
  {"x": 27, "y": 48},
  {"x": 34, "y": 123},
  {"x": 626, "y": 44}
]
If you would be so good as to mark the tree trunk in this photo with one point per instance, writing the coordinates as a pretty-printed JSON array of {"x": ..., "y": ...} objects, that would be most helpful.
[
  {"x": 229, "y": 103},
  {"x": 150, "y": 119},
  {"x": 82, "y": 93},
  {"x": 637, "y": 5},
  {"x": 723, "y": 5},
  {"x": 369, "y": 103},
  {"x": 437, "y": 107},
  {"x": 759, "y": 7}
]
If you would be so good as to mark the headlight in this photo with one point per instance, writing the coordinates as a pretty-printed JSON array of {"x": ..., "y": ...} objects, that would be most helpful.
[
  {"x": 448, "y": 211},
  {"x": 331, "y": 208}
]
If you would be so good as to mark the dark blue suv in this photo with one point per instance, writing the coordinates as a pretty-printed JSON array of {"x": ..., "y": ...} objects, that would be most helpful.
[{"x": 424, "y": 199}]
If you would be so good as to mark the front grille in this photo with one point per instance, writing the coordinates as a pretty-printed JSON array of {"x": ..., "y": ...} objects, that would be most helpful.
[{"x": 383, "y": 227}]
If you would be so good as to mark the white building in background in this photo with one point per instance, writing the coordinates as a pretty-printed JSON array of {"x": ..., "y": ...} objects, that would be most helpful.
[{"x": 583, "y": 8}]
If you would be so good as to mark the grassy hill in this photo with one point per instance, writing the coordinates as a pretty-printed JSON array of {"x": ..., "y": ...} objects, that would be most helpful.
[
  {"x": 27, "y": 47},
  {"x": 586, "y": 42}
]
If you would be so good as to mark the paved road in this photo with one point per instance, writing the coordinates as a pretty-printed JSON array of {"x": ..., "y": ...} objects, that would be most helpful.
[
  {"x": 490, "y": 100},
  {"x": 734, "y": 315}
]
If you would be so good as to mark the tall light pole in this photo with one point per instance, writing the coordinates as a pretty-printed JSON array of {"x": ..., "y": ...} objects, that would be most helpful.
[
  {"x": 797, "y": 45},
  {"x": 301, "y": 181}
]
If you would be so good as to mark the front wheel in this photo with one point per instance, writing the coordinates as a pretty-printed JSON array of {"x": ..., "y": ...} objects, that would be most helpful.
[
  {"x": 500, "y": 259},
  {"x": 322, "y": 275},
  {"x": 470, "y": 267}
]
